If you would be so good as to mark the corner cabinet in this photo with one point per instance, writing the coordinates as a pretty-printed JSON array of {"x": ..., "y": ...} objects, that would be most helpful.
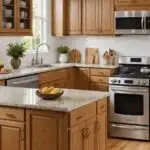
[{"x": 16, "y": 17}]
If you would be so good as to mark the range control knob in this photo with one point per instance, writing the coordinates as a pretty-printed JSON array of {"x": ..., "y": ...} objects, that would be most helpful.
[
  {"x": 119, "y": 81},
  {"x": 144, "y": 83},
  {"x": 114, "y": 81}
]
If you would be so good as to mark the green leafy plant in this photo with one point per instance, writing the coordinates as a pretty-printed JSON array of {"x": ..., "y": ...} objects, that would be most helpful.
[
  {"x": 63, "y": 49},
  {"x": 16, "y": 50}
]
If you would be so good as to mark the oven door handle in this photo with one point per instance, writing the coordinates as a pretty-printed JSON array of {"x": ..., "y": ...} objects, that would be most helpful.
[
  {"x": 130, "y": 91},
  {"x": 128, "y": 127}
]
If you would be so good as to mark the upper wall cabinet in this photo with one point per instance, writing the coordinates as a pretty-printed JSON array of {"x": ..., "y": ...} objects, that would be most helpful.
[
  {"x": 131, "y": 2},
  {"x": 87, "y": 17},
  {"x": 16, "y": 17},
  {"x": 91, "y": 21},
  {"x": 98, "y": 17},
  {"x": 59, "y": 17},
  {"x": 74, "y": 17}
]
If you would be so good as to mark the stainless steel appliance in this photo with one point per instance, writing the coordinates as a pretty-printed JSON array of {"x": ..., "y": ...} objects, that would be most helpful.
[
  {"x": 129, "y": 99},
  {"x": 26, "y": 82},
  {"x": 132, "y": 22}
]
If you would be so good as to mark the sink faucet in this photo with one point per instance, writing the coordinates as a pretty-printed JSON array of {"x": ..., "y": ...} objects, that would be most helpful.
[{"x": 37, "y": 53}]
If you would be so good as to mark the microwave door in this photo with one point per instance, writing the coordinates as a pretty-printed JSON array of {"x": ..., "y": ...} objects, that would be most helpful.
[{"x": 129, "y": 22}]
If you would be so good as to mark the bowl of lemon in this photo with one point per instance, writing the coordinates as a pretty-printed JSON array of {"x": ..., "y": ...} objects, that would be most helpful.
[{"x": 49, "y": 93}]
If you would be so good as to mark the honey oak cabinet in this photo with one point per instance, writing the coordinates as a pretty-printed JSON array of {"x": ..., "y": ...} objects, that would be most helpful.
[
  {"x": 98, "y": 17},
  {"x": 74, "y": 17},
  {"x": 56, "y": 78},
  {"x": 91, "y": 10},
  {"x": 132, "y": 2},
  {"x": 2, "y": 82},
  {"x": 16, "y": 17},
  {"x": 82, "y": 136},
  {"x": 59, "y": 17},
  {"x": 12, "y": 135},
  {"x": 82, "y": 78},
  {"x": 44, "y": 130}
]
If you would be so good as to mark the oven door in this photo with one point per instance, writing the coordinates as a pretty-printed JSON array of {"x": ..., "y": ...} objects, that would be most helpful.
[
  {"x": 129, "y": 105},
  {"x": 129, "y": 22}
]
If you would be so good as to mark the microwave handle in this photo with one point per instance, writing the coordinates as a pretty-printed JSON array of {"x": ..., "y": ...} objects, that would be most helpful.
[{"x": 142, "y": 23}]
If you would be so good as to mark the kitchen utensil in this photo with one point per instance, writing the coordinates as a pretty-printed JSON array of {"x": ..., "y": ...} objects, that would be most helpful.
[
  {"x": 145, "y": 70},
  {"x": 74, "y": 56},
  {"x": 48, "y": 96},
  {"x": 7, "y": 2},
  {"x": 8, "y": 25},
  {"x": 7, "y": 12},
  {"x": 92, "y": 56}
]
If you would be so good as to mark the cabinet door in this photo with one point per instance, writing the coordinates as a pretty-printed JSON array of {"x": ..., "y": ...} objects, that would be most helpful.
[
  {"x": 89, "y": 142},
  {"x": 60, "y": 83},
  {"x": 101, "y": 132},
  {"x": 90, "y": 21},
  {"x": 44, "y": 131},
  {"x": 24, "y": 16},
  {"x": 76, "y": 137},
  {"x": 107, "y": 26},
  {"x": 71, "y": 78},
  {"x": 11, "y": 136},
  {"x": 74, "y": 17},
  {"x": 8, "y": 16},
  {"x": 82, "y": 79}
]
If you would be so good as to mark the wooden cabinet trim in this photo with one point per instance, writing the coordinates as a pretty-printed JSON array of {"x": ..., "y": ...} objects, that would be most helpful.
[
  {"x": 14, "y": 114},
  {"x": 79, "y": 115}
]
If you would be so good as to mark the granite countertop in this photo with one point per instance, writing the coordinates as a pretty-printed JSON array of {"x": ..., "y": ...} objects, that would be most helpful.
[
  {"x": 31, "y": 71},
  {"x": 70, "y": 100}
]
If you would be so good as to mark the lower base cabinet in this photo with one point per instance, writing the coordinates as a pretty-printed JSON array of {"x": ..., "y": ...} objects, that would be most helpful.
[
  {"x": 31, "y": 129},
  {"x": 91, "y": 135},
  {"x": 12, "y": 135},
  {"x": 44, "y": 130}
]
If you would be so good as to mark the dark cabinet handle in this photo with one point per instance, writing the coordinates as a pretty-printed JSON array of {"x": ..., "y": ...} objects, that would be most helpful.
[
  {"x": 86, "y": 132},
  {"x": 11, "y": 116},
  {"x": 78, "y": 118}
]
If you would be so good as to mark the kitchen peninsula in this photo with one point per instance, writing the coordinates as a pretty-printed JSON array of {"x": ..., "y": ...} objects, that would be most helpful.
[{"x": 76, "y": 121}]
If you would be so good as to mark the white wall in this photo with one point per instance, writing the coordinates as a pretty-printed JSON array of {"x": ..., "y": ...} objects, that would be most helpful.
[{"x": 124, "y": 45}]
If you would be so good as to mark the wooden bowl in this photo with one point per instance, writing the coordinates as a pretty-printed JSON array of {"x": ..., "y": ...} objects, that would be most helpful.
[{"x": 48, "y": 96}]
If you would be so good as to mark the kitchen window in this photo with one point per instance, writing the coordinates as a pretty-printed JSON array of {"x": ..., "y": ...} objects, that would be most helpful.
[{"x": 38, "y": 27}]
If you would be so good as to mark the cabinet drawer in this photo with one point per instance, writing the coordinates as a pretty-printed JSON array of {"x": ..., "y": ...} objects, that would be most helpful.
[
  {"x": 102, "y": 106},
  {"x": 2, "y": 82},
  {"x": 53, "y": 75},
  {"x": 100, "y": 79},
  {"x": 82, "y": 114},
  {"x": 101, "y": 72},
  {"x": 99, "y": 86},
  {"x": 13, "y": 114}
]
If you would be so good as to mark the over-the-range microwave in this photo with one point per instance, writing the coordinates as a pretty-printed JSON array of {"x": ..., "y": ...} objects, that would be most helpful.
[{"x": 132, "y": 22}]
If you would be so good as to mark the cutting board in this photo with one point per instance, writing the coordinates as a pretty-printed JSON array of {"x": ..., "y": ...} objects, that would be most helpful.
[
  {"x": 92, "y": 56},
  {"x": 74, "y": 56}
]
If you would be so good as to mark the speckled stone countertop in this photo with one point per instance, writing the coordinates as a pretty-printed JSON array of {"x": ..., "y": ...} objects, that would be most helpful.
[
  {"x": 31, "y": 71},
  {"x": 69, "y": 101}
]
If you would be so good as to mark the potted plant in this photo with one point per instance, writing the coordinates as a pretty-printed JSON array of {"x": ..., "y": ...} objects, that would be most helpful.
[
  {"x": 63, "y": 51},
  {"x": 16, "y": 51}
]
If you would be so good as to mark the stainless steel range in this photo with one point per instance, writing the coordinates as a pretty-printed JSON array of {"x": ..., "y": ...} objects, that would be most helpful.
[{"x": 129, "y": 99}]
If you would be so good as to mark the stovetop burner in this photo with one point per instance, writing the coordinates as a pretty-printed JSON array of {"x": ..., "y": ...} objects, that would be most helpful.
[{"x": 132, "y": 75}]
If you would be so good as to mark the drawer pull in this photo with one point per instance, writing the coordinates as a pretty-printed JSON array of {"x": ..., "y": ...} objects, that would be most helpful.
[
  {"x": 86, "y": 132},
  {"x": 78, "y": 118},
  {"x": 11, "y": 116}
]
